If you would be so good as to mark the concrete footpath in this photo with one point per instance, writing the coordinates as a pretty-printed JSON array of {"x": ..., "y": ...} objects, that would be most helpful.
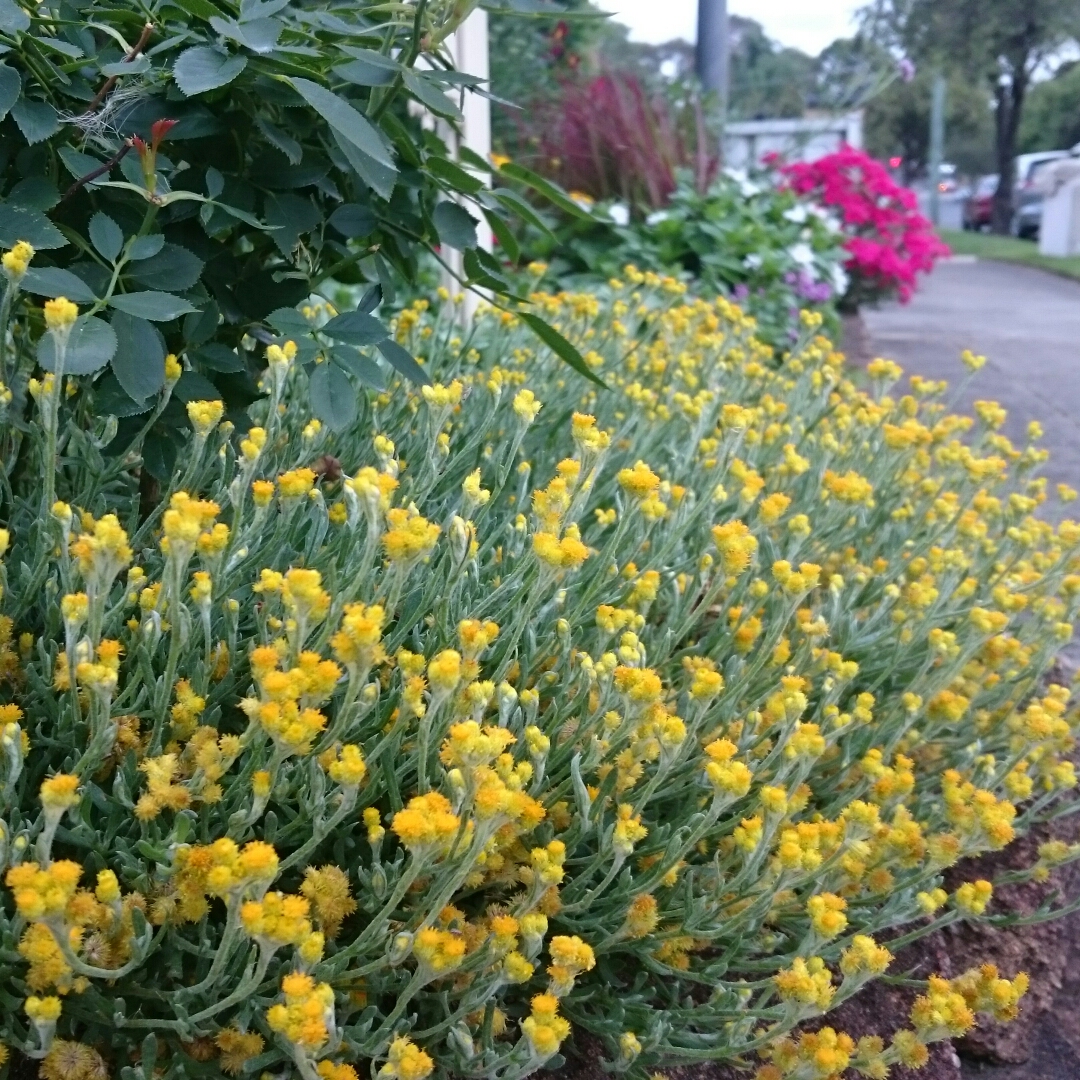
[{"x": 1027, "y": 324}]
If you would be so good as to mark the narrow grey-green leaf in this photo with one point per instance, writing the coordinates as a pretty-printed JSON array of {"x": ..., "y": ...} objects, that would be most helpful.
[
  {"x": 52, "y": 281},
  {"x": 341, "y": 116},
  {"x": 90, "y": 347},
  {"x": 10, "y": 88},
  {"x": 155, "y": 306},
  {"x": 37, "y": 120},
  {"x": 202, "y": 68},
  {"x": 560, "y": 346},
  {"x": 455, "y": 225},
  {"x": 106, "y": 236},
  {"x": 402, "y": 361},
  {"x": 333, "y": 397},
  {"x": 139, "y": 360}
]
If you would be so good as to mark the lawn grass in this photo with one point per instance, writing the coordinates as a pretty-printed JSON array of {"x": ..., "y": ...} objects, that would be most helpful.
[{"x": 1010, "y": 249}]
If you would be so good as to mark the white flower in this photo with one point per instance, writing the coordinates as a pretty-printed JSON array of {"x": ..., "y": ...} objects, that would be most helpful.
[
  {"x": 746, "y": 186},
  {"x": 797, "y": 214},
  {"x": 656, "y": 217},
  {"x": 840, "y": 279},
  {"x": 803, "y": 254},
  {"x": 619, "y": 213},
  {"x": 753, "y": 261}
]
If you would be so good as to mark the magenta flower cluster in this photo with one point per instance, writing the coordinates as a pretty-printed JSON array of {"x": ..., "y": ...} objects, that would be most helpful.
[{"x": 888, "y": 241}]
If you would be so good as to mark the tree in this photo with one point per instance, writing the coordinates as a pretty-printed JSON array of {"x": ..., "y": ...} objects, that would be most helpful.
[
  {"x": 1052, "y": 118},
  {"x": 1000, "y": 41},
  {"x": 897, "y": 124}
]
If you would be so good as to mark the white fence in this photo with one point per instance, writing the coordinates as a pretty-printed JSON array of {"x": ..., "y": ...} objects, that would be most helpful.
[{"x": 746, "y": 142}]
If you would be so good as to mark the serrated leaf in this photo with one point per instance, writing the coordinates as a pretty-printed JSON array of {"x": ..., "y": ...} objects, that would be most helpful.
[
  {"x": 370, "y": 300},
  {"x": 288, "y": 321},
  {"x": 139, "y": 360},
  {"x": 356, "y": 328},
  {"x": 25, "y": 223},
  {"x": 195, "y": 387},
  {"x": 354, "y": 219},
  {"x": 344, "y": 119},
  {"x": 79, "y": 164},
  {"x": 13, "y": 20},
  {"x": 260, "y": 9},
  {"x": 363, "y": 367},
  {"x": 380, "y": 179},
  {"x": 201, "y": 9},
  {"x": 551, "y": 192},
  {"x": 90, "y": 347},
  {"x": 455, "y": 225},
  {"x": 37, "y": 120},
  {"x": 333, "y": 397},
  {"x": 560, "y": 346},
  {"x": 362, "y": 73},
  {"x": 159, "y": 454},
  {"x": 10, "y": 88},
  {"x": 202, "y": 68},
  {"x": 513, "y": 202},
  {"x": 173, "y": 267},
  {"x": 431, "y": 96},
  {"x": 106, "y": 236},
  {"x": 402, "y": 361},
  {"x": 110, "y": 399},
  {"x": 291, "y": 216},
  {"x": 277, "y": 138},
  {"x": 138, "y": 66},
  {"x": 52, "y": 281},
  {"x": 155, "y": 306},
  {"x": 37, "y": 192},
  {"x": 259, "y": 35},
  {"x": 454, "y": 175},
  {"x": 145, "y": 247},
  {"x": 507, "y": 240},
  {"x": 217, "y": 357}
]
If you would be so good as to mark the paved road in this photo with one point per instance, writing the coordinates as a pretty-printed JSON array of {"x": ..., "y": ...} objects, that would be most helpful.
[{"x": 1027, "y": 324}]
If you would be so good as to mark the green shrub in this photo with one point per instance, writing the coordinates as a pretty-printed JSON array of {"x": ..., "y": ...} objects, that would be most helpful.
[
  {"x": 774, "y": 252},
  {"x": 517, "y": 707},
  {"x": 188, "y": 169}
]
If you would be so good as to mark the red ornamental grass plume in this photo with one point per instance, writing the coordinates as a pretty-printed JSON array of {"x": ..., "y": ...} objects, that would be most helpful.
[
  {"x": 610, "y": 138},
  {"x": 888, "y": 241}
]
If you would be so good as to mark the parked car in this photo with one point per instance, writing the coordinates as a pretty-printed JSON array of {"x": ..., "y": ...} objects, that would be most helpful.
[
  {"x": 979, "y": 205},
  {"x": 1027, "y": 199}
]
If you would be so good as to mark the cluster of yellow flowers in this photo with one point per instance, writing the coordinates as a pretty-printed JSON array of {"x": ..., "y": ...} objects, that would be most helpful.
[{"x": 542, "y": 706}]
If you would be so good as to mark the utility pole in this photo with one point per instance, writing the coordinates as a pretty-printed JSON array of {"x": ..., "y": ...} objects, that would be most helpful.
[
  {"x": 712, "y": 48},
  {"x": 937, "y": 141}
]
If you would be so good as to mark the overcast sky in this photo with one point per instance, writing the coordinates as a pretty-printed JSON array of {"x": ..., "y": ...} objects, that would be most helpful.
[{"x": 809, "y": 25}]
